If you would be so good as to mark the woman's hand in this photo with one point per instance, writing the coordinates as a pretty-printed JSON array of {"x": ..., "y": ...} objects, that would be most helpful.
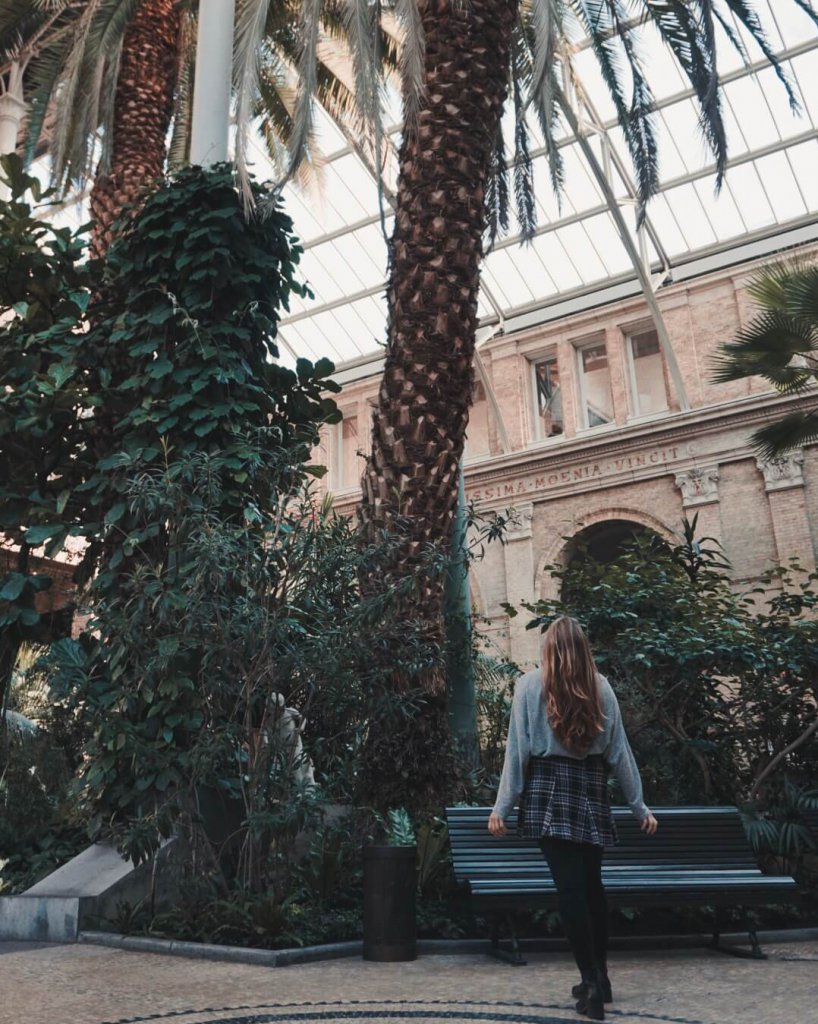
[
  {"x": 497, "y": 826},
  {"x": 649, "y": 824}
]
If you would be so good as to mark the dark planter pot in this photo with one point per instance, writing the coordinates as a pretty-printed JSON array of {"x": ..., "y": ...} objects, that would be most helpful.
[{"x": 390, "y": 882}]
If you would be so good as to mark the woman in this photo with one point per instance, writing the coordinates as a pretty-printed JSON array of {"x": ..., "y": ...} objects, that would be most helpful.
[{"x": 565, "y": 734}]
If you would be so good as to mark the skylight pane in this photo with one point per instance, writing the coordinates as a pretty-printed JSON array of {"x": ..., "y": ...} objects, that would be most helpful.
[
  {"x": 721, "y": 210},
  {"x": 690, "y": 216},
  {"x": 671, "y": 163},
  {"x": 328, "y": 331},
  {"x": 325, "y": 284},
  {"x": 781, "y": 187},
  {"x": 580, "y": 187},
  {"x": 558, "y": 267},
  {"x": 804, "y": 160},
  {"x": 372, "y": 311},
  {"x": 746, "y": 187},
  {"x": 355, "y": 328},
  {"x": 662, "y": 218},
  {"x": 299, "y": 206},
  {"x": 607, "y": 244},
  {"x": 787, "y": 121},
  {"x": 786, "y": 23},
  {"x": 683, "y": 124},
  {"x": 584, "y": 257},
  {"x": 753, "y": 114},
  {"x": 509, "y": 277},
  {"x": 804, "y": 67}
]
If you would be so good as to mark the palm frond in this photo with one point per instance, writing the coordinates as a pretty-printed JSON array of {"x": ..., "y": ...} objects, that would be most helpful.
[
  {"x": 251, "y": 21},
  {"x": 301, "y": 135},
  {"x": 497, "y": 194},
  {"x": 78, "y": 62},
  {"x": 179, "y": 148},
  {"x": 544, "y": 26},
  {"x": 747, "y": 16},
  {"x": 412, "y": 54},
  {"x": 791, "y": 431},
  {"x": 771, "y": 346},
  {"x": 523, "y": 171},
  {"x": 610, "y": 35},
  {"x": 687, "y": 29}
]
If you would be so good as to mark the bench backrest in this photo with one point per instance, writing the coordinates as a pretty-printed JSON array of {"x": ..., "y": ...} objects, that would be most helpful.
[{"x": 696, "y": 838}]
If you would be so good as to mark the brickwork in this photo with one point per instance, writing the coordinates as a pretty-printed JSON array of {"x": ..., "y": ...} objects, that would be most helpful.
[{"x": 650, "y": 470}]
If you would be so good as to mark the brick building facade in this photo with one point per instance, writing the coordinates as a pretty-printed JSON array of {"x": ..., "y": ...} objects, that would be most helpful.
[{"x": 591, "y": 438}]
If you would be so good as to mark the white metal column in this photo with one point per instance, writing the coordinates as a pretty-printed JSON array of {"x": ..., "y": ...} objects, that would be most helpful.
[
  {"x": 12, "y": 108},
  {"x": 212, "y": 84}
]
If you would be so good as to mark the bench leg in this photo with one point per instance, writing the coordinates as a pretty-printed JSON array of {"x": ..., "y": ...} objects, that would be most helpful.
[
  {"x": 510, "y": 956},
  {"x": 755, "y": 952}
]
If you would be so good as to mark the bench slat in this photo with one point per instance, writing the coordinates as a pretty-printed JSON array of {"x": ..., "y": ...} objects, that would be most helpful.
[{"x": 701, "y": 855}]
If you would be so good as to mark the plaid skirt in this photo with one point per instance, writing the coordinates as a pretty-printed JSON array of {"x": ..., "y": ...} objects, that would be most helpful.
[{"x": 567, "y": 798}]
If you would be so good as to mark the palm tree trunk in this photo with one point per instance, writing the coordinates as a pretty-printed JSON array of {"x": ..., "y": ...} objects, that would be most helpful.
[
  {"x": 420, "y": 421},
  {"x": 145, "y": 87}
]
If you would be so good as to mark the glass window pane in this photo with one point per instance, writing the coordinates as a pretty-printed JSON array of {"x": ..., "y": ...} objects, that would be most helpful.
[
  {"x": 549, "y": 398},
  {"x": 596, "y": 385},
  {"x": 650, "y": 389}
]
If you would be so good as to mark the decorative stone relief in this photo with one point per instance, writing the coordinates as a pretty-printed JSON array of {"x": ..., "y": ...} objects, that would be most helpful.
[
  {"x": 519, "y": 524},
  {"x": 699, "y": 486},
  {"x": 785, "y": 471}
]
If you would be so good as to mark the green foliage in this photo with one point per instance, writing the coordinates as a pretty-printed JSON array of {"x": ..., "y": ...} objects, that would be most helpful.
[
  {"x": 717, "y": 687},
  {"x": 37, "y": 828},
  {"x": 175, "y": 356},
  {"x": 779, "y": 344},
  {"x": 44, "y": 291},
  {"x": 399, "y": 828},
  {"x": 781, "y": 828},
  {"x": 190, "y": 662}
]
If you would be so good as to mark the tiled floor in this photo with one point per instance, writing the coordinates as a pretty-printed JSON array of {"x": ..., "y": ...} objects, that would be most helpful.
[{"x": 94, "y": 985}]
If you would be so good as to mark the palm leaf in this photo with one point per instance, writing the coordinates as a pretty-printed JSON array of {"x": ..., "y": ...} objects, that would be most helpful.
[
  {"x": 251, "y": 22},
  {"x": 412, "y": 54},
  {"x": 301, "y": 135},
  {"x": 794, "y": 430},
  {"x": 745, "y": 14},
  {"x": 541, "y": 30},
  {"x": 692, "y": 42}
]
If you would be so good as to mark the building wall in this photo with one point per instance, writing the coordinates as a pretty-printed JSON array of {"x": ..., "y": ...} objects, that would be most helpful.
[{"x": 693, "y": 458}]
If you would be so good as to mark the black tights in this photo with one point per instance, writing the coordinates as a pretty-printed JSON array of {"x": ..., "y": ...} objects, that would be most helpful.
[{"x": 577, "y": 872}]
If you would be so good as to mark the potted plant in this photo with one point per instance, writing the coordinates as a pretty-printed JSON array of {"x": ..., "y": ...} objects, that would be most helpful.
[{"x": 390, "y": 884}]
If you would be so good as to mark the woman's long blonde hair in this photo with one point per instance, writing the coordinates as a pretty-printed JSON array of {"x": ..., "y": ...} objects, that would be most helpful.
[{"x": 572, "y": 699}]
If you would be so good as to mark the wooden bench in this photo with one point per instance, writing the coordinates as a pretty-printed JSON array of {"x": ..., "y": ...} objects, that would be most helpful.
[{"x": 700, "y": 856}]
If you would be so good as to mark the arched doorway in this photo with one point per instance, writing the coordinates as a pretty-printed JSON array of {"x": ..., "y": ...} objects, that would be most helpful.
[{"x": 606, "y": 541}]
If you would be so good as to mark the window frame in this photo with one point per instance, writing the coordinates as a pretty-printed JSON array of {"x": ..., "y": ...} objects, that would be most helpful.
[
  {"x": 550, "y": 354},
  {"x": 579, "y": 347},
  {"x": 631, "y": 332}
]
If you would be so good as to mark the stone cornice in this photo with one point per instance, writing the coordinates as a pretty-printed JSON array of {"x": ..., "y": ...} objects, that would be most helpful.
[
  {"x": 674, "y": 428},
  {"x": 615, "y": 457}
]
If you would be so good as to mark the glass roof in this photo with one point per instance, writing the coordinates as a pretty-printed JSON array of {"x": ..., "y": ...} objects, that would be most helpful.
[{"x": 771, "y": 185}]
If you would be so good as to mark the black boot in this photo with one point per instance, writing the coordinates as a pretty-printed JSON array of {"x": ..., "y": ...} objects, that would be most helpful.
[
  {"x": 590, "y": 1002},
  {"x": 580, "y": 990}
]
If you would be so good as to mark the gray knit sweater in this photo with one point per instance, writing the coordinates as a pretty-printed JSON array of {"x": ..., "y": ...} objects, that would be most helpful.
[{"x": 530, "y": 735}]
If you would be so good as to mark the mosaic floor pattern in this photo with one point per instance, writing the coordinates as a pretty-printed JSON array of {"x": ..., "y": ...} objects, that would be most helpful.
[
  {"x": 393, "y": 1012},
  {"x": 85, "y": 984}
]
